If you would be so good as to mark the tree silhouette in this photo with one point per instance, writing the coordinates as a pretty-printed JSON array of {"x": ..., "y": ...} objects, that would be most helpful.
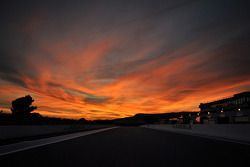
[
  {"x": 22, "y": 106},
  {"x": 82, "y": 120}
]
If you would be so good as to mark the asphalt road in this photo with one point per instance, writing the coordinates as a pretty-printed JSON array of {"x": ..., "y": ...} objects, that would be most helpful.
[{"x": 133, "y": 147}]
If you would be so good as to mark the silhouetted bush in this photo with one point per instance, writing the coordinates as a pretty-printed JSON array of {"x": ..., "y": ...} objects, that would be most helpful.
[
  {"x": 82, "y": 120},
  {"x": 22, "y": 106}
]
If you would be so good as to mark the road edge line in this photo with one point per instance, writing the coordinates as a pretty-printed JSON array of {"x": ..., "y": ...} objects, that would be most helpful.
[{"x": 57, "y": 140}]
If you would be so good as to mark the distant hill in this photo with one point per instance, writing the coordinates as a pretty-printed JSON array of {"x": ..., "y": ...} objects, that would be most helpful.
[{"x": 142, "y": 118}]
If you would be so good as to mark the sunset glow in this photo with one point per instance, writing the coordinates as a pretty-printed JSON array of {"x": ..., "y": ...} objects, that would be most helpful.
[{"x": 111, "y": 60}]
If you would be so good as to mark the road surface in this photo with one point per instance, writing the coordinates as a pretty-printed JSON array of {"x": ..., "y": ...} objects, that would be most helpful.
[{"x": 133, "y": 147}]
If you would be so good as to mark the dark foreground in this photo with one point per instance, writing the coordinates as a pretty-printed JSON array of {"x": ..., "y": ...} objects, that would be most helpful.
[{"x": 133, "y": 147}]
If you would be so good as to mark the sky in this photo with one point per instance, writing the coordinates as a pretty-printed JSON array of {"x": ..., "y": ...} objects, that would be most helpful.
[{"x": 105, "y": 59}]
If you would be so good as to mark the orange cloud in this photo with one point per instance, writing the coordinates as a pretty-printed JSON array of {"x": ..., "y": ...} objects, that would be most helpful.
[{"x": 100, "y": 65}]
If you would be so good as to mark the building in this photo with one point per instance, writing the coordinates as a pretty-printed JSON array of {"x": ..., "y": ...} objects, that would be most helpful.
[{"x": 235, "y": 109}]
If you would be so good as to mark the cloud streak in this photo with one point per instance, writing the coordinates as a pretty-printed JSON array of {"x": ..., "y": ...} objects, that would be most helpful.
[{"x": 106, "y": 60}]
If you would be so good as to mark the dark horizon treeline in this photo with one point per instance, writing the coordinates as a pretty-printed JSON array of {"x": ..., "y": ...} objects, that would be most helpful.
[
  {"x": 138, "y": 119},
  {"x": 36, "y": 119}
]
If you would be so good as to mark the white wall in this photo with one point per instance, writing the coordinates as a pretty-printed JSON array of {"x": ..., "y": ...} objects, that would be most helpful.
[{"x": 239, "y": 132}]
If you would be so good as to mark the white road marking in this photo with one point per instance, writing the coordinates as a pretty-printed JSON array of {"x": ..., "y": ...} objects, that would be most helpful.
[{"x": 26, "y": 145}]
